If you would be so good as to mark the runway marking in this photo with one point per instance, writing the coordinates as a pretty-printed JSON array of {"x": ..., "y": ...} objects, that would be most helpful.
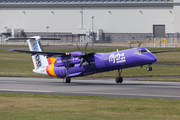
[{"x": 24, "y": 90}]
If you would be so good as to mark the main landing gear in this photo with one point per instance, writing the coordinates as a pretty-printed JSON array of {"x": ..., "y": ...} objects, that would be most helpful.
[
  {"x": 67, "y": 79},
  {"x": 149, "y": 68},
  {"x": 119, "y": 79}
]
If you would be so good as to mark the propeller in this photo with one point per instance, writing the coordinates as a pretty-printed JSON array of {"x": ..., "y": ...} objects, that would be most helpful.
[{"x": 84, "y": 56}]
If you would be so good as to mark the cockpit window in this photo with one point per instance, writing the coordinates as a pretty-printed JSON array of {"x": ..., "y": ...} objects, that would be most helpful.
[
  {"x": 141, "y": 51},
  {"x": 136, "y": 52}
]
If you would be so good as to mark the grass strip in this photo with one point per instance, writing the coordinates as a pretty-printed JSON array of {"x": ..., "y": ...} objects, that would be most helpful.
[{"x": 15, "y": 106}]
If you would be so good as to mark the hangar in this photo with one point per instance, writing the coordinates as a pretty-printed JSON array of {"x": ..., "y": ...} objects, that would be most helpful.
[{"x": 106, "y": 19}]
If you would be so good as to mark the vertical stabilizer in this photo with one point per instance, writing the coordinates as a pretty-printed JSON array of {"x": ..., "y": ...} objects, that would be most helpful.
[{"x": 40, "y": 61}]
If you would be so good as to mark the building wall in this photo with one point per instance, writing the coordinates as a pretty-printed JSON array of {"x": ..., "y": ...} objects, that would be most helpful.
[
  {"x": 36, "y": 20},
  {"x": 129, "y": 19},
  {"x": 110, "y": 19},
  {"x": 176, "y": 16}
]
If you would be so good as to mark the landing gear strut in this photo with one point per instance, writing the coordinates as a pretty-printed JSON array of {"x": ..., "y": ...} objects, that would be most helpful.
[
  {"x": 119, "y": 79},
  {"x": 67, "y": 79},
  {"x": 149, "y": 68}
]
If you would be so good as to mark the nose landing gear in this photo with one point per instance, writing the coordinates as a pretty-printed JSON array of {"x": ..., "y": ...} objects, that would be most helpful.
[{"x": 149, "y": 68}]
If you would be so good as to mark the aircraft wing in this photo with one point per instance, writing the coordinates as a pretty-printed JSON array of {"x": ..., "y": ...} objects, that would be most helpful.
[
  {"x": 162, "y": 51},
  {"x": 41, "y": 53}
]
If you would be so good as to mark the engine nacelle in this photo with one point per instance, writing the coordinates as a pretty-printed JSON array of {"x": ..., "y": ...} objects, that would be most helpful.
[{"x": 66, "y": 61}]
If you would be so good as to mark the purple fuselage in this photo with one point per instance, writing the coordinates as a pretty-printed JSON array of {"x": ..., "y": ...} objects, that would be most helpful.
[{"x": 102, "y": 62}]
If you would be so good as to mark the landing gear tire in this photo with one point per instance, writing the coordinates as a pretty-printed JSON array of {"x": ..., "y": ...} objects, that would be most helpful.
[
  {"x": 68, "y": 80},
  {"x": 119, "y": 80},
  {"x": 149, "y": 68}
]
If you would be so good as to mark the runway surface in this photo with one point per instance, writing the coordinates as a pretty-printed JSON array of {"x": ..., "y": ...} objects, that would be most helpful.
[{"x": 104, "y": 87}]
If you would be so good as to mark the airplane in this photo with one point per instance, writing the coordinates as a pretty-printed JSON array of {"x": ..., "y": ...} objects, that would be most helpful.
[{"x": 75, "y": 64}]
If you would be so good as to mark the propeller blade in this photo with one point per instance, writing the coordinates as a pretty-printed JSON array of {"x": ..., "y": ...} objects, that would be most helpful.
[
  {"x": 88, "y": 62},
  {"x": 86, "y": 47},
  {"x": 84, "y": 56},
  {"x": 79, "y": 49},
  {"x": 82, "y": 60}
]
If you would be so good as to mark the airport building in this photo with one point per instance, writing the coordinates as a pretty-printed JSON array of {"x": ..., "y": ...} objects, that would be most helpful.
[{"x": 105, "y": 20}]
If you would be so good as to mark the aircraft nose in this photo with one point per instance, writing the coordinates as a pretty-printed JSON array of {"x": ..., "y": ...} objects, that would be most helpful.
[{"x": 151, "y": 59}]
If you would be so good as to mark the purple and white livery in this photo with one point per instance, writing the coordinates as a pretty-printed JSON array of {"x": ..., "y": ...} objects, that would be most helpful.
[{"x": 74, "y": 64}]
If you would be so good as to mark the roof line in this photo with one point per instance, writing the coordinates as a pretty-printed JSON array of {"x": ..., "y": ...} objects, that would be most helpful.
[{"x": 93, "y": 4}]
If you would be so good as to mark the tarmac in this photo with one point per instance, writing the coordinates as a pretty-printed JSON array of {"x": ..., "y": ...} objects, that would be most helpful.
[{"x": 131, "y": 87}]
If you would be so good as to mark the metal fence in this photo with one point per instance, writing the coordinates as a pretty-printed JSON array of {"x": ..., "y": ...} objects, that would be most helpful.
[
  {"x": 119, "y": 40},
  {"x": 135, "y": 43}
]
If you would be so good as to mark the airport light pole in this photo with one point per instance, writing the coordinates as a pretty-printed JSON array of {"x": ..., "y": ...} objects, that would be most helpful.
[
  {"x": 81, "y": 18},
  {"x": 92, "y": 30}
]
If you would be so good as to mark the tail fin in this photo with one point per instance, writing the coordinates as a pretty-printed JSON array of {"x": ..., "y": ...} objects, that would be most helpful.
[{"x": 40, "y": 62}]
